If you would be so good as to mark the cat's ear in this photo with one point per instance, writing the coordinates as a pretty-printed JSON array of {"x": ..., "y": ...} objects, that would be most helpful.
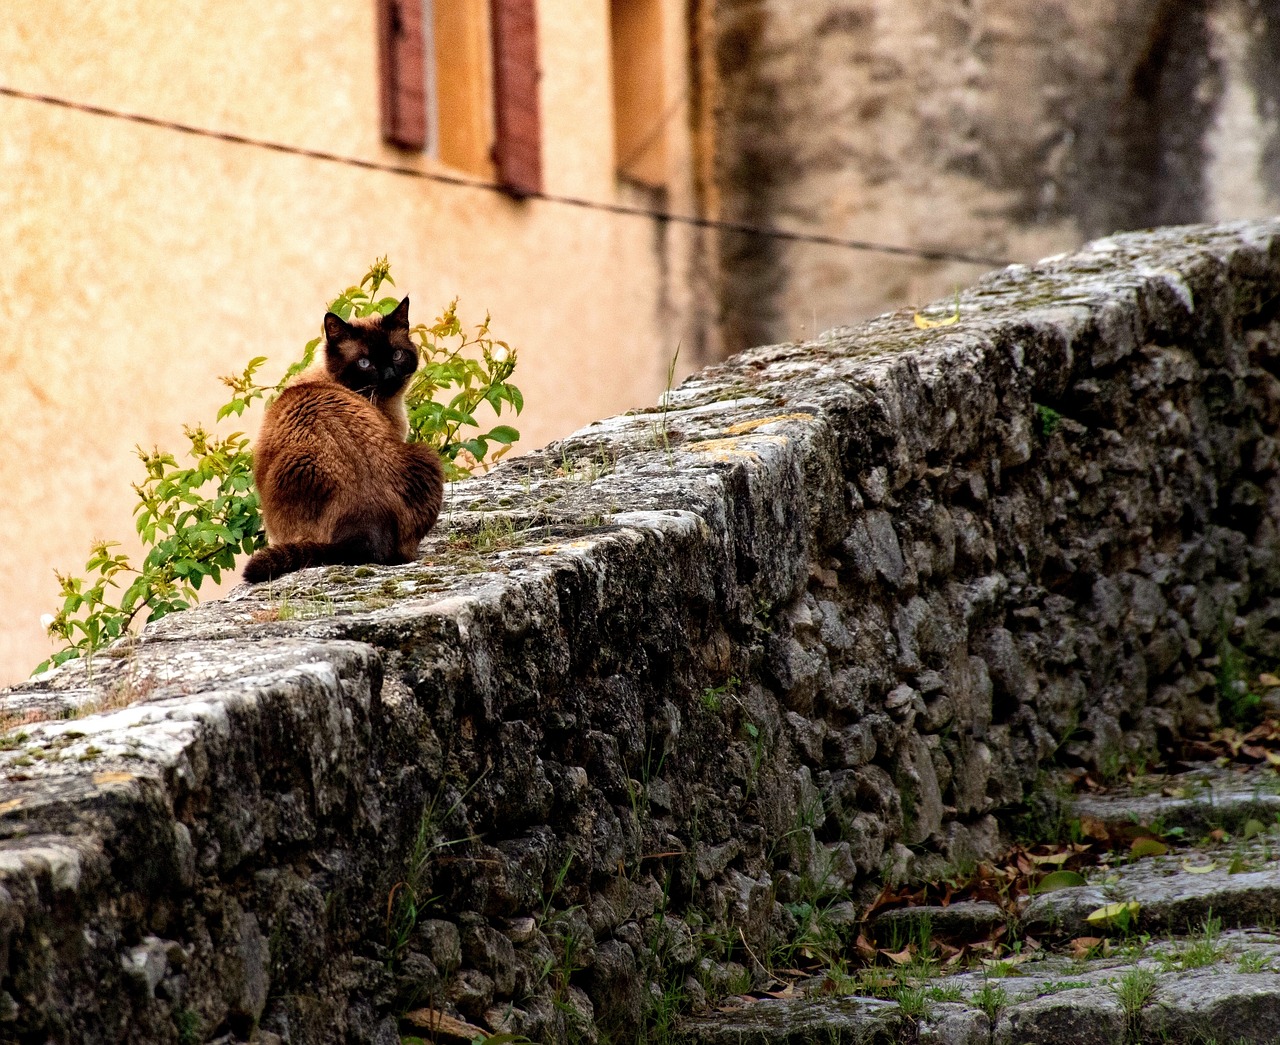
[
  {"x": 335, "y": 327},
  {"x": 398, "y": 316}
]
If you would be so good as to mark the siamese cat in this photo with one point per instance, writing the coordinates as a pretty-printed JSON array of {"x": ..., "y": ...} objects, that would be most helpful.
[{"x": 337, "y": 480}]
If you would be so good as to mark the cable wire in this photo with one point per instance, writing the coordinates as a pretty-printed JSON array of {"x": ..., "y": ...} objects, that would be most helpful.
[{"x": 694, "y": 221}]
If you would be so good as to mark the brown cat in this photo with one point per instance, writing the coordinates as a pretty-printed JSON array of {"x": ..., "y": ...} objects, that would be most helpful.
[{"x": 338, "y": 482}]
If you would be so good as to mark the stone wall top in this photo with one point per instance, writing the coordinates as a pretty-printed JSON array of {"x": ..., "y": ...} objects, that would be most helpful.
[{"x": 819, "y": 618}]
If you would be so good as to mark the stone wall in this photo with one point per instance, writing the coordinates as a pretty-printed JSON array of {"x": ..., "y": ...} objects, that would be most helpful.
[{"x": 820, "y": 621}]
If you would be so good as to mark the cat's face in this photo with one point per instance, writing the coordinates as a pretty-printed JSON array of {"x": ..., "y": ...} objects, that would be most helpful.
[{"x": 372, "y": 355}]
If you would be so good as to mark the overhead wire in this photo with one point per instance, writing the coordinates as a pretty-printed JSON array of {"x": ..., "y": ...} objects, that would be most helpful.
[{"x": 459, "y": 181}]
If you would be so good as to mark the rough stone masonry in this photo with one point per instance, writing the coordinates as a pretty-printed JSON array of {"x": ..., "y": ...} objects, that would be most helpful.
[{"x": 819, "y": 620}]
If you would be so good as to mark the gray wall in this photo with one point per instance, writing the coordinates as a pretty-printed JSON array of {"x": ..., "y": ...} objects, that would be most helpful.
[{"x": 1003, "y": 129}]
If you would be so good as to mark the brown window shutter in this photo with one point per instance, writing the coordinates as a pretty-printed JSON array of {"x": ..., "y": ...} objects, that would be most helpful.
[
  {"x": 401, "y": 49},
  {"x": 517, "y": 150}
]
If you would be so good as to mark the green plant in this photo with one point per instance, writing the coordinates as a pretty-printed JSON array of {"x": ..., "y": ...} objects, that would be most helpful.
[
  {"x": 713, "y": 696},
  {"x": 1203, "y": 948},
  {"x": 1238, "y": 703},
  {"x": 409, "y": 898},
  {"x": 1252, "y": 961},
  {"x": 195, "y": 518},
  {"x": 188, "y": 1024},
  {"x": 1133, "y": 990},
  {"x": 1047, "y": 420},
  {"x": 992, "y": 1001},
  {"x": 912, "y": 1002},
  {"x": 660, "y": 435}
]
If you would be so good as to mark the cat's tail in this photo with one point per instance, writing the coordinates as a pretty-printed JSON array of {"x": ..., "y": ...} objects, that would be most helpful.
[{"x": 276, "y": 560}]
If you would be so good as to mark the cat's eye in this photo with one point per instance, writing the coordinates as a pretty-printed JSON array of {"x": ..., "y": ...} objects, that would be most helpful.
[
  {"x": 363, "y": 363},
  {"x": 399, "y": 356}
]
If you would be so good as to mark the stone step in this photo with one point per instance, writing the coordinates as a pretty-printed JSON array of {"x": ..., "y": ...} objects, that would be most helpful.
[{"x": 1167, "y": 973}]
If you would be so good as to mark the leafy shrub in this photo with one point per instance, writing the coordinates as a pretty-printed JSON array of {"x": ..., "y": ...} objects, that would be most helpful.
[{"x": 195, "y": 518}]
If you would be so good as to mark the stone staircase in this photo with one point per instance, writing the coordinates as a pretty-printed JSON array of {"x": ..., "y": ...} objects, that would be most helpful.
[{"x": 1172, "y": 938}]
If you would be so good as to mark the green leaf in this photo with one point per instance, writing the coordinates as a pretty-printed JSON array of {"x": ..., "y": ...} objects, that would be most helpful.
[
  {"x": 503, "y": 434},
  {"x": 1115, "y": 915},
  {"x": 1147, "y": 847},
  {"x": 1059, "y": 880}
]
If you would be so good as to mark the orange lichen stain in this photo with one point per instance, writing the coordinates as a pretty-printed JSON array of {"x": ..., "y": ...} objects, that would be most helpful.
[
  {"x": 731, "y": 449},
  {"x": 747, "y": 426},
  {"x": 551, "y": 549},
  {"x": 113, "y": 777}
]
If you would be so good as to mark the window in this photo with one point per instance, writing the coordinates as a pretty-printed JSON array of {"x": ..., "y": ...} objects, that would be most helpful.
[
  {"x": 460, "y": 80},
  {"x": 639, "y": 107}
]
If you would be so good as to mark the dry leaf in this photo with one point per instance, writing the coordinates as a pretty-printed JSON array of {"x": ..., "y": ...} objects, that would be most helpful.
[
  {"x": 13, "y": 803},
  {"x": 1092, "y": 827},
  {"x": 929, "y": 324},
  {"x": 442, "y": 1023},
  {"x": 1082, "y": 945},
  {"x": 1199, "y": 869},
  {"x": 1052, "y": 858},
  {"x": 901, "y": 957},
  {"x": 113, "y": 777}
]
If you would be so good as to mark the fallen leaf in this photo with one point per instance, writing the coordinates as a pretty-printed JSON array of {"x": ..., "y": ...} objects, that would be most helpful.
[
  {"x": 1252, "y": 828},
  {"x": 901, "y": 957},
  {"x": 1058, "y": 880},
  {"x": 1147, "y": 847},
  {"x": 112, "y": 777},
  {"x": 1218, "y": 834},
  {"x": 929, "y": 324},
  {"x": 1082, "y": 945},
  {"x": 1267, "y": 679},
  {"x": 1117, "y": 915},
  {"x": 1052, "y": 858},
  {"x": 442, "y": 1023},
  {"x": 1199, "y": 869},
  {"x": 1092, "y": 827},
  {"x": 13, "y": 803}
]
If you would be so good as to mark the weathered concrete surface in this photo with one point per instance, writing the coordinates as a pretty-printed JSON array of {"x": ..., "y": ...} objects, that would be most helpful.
[{"x": 658, "y": 687}]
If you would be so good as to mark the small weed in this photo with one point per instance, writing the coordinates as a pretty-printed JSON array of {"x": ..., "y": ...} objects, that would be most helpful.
[
  {"x": 992, "y": 1001},
  {"x": 1133, "y": 990},
  {"x": 1238, "y": 703},
  {"x": 758, "y": 740},
  {"x": 307, "y": 609},
  {"x": 1047, "y": 420},
  {"x": 713, "y": 696},
  {"x": 1251, "y": 961},
  {"x": 912, "y": 1002},
  {"x": 661, "y": 437},
  {"x": 188, "y": 1024},
  {"x": 408, "y": 898},
  {"x": 1200, "y": 950},
  {"x": 951, "y": 992}
]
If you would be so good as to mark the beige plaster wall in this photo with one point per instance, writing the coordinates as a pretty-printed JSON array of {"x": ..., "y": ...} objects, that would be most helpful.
[{"x": 137, "y": 263}]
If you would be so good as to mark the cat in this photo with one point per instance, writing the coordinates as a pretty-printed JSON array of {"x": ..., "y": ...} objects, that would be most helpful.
[{"x": 337, "y": 481}]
